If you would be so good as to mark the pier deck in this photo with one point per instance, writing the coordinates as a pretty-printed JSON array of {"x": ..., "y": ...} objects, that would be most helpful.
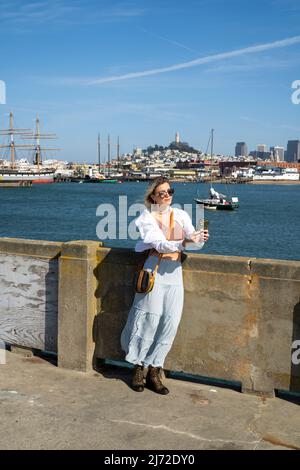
[{"x": 45, "y": 407}]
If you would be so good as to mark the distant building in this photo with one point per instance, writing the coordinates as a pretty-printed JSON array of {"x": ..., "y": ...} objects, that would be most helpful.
[
  {"x": 262, "y": 152},
  {"x": 262, "y": 148},
  {"x": 293, "y": 151},
  {"x": 177, "y": 138},
  {"x": 137, "y": 151},
  {"x": 241, "y": 149},
  {"x": 277, "y": 154}
]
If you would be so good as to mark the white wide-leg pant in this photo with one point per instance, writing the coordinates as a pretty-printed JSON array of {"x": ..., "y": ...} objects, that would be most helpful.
[{"x": 154, "y": 317}]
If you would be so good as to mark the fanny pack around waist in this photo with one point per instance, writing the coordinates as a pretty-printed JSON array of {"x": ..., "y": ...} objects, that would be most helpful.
[{"x": 143, "y": 278}]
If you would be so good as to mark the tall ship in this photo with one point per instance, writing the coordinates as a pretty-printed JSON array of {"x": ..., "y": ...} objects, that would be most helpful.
[{"x": 19, "y": 171}]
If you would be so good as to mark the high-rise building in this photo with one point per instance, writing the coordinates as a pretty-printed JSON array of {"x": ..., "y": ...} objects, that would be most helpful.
[
  {"x": 177, "y": 138},
  {"x": 262, "y": 148},
  {"x": 277, "y": 153},
  {"x": 262, "y": 152},
  {"x": 293, "y": 151},
  {"x": 241, "y": 149}
]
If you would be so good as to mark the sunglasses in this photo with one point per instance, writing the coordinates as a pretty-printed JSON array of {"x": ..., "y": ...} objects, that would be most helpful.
[{"x": 163, "y": 194}]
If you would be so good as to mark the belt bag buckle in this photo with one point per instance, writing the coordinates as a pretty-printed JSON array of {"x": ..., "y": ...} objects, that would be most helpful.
[{"x": 144, "y": 281}]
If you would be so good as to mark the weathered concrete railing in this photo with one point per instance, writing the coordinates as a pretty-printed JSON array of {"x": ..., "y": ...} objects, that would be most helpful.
[{"x": 241, "y": 316}]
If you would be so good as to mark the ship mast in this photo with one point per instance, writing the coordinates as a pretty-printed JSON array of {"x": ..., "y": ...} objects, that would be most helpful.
[
  {"x": 12, "y": 146},
  {"x": 37, "y": 136},
  {"x": 108, "y": 153},
  {"x": 211, "y": 154},
  {"x": 99, "y": 152},
  {"x": 118, "y": 153}
]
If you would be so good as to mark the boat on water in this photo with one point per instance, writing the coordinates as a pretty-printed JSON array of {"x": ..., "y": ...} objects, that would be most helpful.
[
  {"x": 20, "y": 170},
  {"x": 216, "y": 200},
  {"x": 96, "y": 176},
  {"x": 99, "y": 179}
]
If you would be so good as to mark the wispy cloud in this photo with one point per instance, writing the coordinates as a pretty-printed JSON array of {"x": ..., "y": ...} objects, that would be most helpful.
[
  {"x": 63, "y": 12},
  {"x": 200, "y": 61},
  {"x": 253, "y": 65},
  {"x": 170, "y": 41}
]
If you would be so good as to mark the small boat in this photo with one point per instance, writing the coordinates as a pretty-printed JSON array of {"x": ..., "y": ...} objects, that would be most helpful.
[
  {"x": 216, "y": 200},
  {"x": 98, "y": 180}
]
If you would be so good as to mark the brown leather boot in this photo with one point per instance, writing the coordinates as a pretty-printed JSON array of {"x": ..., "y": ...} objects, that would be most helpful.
[
  {"x": 137, "y": 381},
  {"x": 153, "y": 381}
]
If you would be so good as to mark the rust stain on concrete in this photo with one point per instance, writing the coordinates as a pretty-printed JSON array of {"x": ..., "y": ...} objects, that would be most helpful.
[{"x": 278, "y": 442}]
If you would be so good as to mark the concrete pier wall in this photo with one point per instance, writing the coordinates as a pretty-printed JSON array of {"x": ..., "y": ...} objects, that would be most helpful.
[
  {"x": 240, "y": 322},
  {"x": 29, "y": 293}
]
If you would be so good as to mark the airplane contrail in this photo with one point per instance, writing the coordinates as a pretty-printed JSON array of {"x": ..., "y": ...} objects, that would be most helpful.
[{"x": 199, "y": 61}]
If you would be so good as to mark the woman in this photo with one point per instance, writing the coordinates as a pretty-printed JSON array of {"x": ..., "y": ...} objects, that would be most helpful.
[{"x": 154, "y": 317}]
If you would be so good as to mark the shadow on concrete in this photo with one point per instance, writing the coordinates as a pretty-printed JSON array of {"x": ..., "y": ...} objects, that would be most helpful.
[
  {"x": 114, "y": 371},
  {"x": 51, "y": 306},
  {"x": 114, "y": 295},
  {"x": 47, "y": 356}
]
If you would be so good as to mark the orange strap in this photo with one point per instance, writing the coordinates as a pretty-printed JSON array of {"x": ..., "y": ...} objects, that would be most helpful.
[
  {"x": 175, "y": 256},
  {"x": 171, "y": 224}
]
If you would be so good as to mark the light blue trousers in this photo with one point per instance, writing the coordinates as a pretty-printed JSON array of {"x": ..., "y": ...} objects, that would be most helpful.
[{"x": 154, "y": 317}]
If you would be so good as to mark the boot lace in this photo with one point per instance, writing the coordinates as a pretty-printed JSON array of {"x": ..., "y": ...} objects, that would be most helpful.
[
  {"x": 155, "y": 375},
  {"x": 139, "y": 374}
]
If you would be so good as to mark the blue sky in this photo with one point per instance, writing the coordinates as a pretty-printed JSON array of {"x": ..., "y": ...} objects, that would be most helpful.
[{"x": 88, "y": 66}]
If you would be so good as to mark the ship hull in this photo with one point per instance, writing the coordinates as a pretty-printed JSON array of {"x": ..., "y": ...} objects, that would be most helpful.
[{"x": 35, "y": 177}]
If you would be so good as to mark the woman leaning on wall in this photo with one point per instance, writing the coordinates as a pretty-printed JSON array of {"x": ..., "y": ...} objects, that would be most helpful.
[{"x": 155, "y": 315}]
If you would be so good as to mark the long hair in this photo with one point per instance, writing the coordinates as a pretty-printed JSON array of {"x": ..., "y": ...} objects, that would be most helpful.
[{"x": 151, "y": 190}]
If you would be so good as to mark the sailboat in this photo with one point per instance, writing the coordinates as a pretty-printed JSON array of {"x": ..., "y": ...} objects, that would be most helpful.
[
  {"x": 99, "y": 177},
  {"x": 21, "y": 172},
  {"x": 216, "y": 200}
]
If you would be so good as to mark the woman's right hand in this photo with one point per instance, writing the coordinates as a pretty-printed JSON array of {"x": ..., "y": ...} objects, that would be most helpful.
[{"x": 199, "y": 236}]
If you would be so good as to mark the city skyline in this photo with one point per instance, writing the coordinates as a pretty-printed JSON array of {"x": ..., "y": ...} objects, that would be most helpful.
[{"x": 143, "y": 71}]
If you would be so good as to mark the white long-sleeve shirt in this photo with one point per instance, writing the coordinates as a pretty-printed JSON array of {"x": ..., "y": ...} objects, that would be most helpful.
[{"x": 153, "y": 237}]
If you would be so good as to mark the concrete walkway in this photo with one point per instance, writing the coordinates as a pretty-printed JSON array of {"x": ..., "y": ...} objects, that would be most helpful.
[{"x": 43, "y": 407}]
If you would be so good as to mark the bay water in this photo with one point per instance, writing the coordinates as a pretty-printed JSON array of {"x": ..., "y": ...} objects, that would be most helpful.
[{"x": 266, "y": 225}]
